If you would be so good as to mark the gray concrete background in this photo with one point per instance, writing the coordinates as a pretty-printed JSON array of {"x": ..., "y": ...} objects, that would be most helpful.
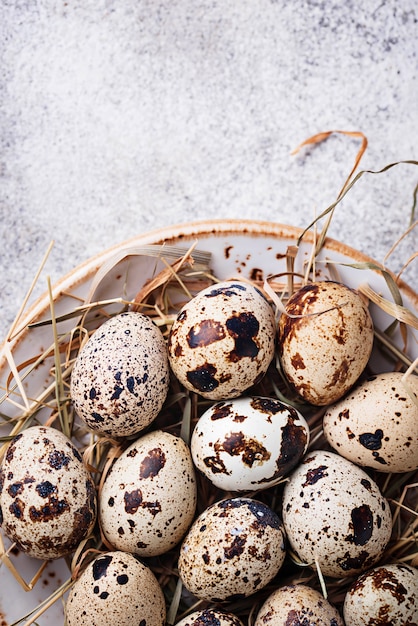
[{"x": 118, "y": 117}]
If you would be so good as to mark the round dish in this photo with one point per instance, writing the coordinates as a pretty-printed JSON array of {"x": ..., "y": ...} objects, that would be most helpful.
[{"x": 245, "y": 249}]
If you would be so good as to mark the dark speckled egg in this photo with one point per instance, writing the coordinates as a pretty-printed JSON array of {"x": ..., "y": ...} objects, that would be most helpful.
[
  {"x": 210, "y": 617},
  {"x": 116, "y": 588},
  {"x": 47, "y": 496},
  {"x": 120, "y": 378},
  {"x": 223, "y": 340},
  {"x": 233, "y": 549}
]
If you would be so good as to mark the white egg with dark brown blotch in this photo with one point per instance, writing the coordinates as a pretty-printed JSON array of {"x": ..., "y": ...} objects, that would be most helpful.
[
  {"x": 248, "y": 443},
  {"x": 325, "y": 339},
  {"x": 335, "y": 515},
  {"x": 210, "y": 617},
  {"x": 234, "y": 548},
  {"x": 386, "y": 595},
  {"x": 116, "y": 588},
  {"x": 376, "y": 424},
  {"x": 47, "y": 496},
  {"x": 223, "y": 340},
  {"x": 120, "y": 378},
  {"x": 297, "y": 605},
  {"x": 148, "y": 499}
]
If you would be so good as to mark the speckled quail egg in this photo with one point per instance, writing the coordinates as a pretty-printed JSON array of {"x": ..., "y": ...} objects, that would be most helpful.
[
  {"x": 223, "y": 340},
  {"x": 120, "y": 378},
  {"x": 47, "y": 496},
  {"x": 327, "y": 343},
  {"x": 116, "y": 588},
  {"x": 386, "y": 595},
  {"x": 297, "y": 605},
  {"x": 376, "y": 424},
  {"x": 248, "y": 443},
  {"x": 148, "y": 499},
  {"x": 334, "y": 514},
  {"x": 233, "y": 549},
  {"x": 210, "y": 617}
]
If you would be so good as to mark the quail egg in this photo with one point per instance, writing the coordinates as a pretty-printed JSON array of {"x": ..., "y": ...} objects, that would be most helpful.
[
  {"x": 210, "y": 617},
  {"x": 375, "y": 425},
  {"x": 325, "y": 340},
  {"x": 297, "y": 605},
  {"x": 233, "y": 549},
  {"x": 47, "y": 496},
  {"x": 116, "y": 588},
  {"x": 148, "y": 499},
  {"x": 387, "y": 594},
  {"x": 223, "y": 340},
  {"x": 248, "y": 443},
  {"x": 334, "y": 515},
  {"x": 120, "y": 378}
]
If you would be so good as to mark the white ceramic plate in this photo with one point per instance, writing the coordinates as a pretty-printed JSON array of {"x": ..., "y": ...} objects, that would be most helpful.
[{"x": 244, "y": 249}]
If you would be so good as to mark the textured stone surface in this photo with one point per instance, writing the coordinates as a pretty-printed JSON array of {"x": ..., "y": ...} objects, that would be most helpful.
[{"x": 120, "y": 117}]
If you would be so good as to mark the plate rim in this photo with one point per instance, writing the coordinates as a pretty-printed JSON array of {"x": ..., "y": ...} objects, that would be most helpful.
[{"x": 185, "y": 231}]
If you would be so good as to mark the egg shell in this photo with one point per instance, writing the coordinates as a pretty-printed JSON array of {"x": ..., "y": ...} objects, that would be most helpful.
[
  {"x": 324, "y": 351},
  {"x": 116, "y": 588},
  {"x": 148, "y": 499},
  {"x": 294, "y": 605},
  {"x": 233, "y": 549},
  {"x": 47, "y": 496},
  {"x": 334, "y": 512},
  {"x": 120, "y": 378},
  {"x": 248, "y": 444},
  {"x": 210, "y": 617},
  {"x": 376, "y": 424},
  {"x": 386, "y": 595},
  {"x": 223, "y": 340}
]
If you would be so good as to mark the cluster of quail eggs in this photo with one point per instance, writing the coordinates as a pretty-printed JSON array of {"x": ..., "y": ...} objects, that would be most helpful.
[{"x": 325, "y": 511}]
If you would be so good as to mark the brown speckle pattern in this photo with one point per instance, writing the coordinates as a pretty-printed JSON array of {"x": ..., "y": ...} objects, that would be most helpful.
[
  {"x": 325, "y": 340},
  {"x": 248, "y": 443},
  {"x": 48, "y": 499},
  {"x": 334, "y": 512},
  {"x": 223, "y": 340},
  {"x": 148, "y": 500},
  {"x": 234, "y": 548}
]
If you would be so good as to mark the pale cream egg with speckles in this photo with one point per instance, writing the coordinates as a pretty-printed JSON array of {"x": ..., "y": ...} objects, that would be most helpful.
[
  {"x": 234, "y": 548},
  {"x": 297, "y": 605},
  {"x": 47, "y": 496},
  {"x": 116, "y": 588},
  {"x": 120, "y": 378},
  {"x": 387, "y": 594},
  {"x": 210, "y": 617},
  {"x": 376, "y": 424},
  {"x": 223, "y": 340},
  {"x": 148, "y": 499},
  {"x": 325, "y": 339},
  {"x": 334, "y": 515}
]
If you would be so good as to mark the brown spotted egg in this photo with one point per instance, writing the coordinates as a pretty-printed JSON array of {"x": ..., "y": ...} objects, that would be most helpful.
[
  {"x": 148, "y": 499},
  {"x": 386, "y": 595},
  {"x": 120, "y": 378},
  {"x": 376, "y": 424},
  {"x": 297, "y": 605},
  {"x": 210, "y": 617},
  {"x": 116, "y": 588},
  {"x": 248, "y": 443},
  {"x": 325, "y": 340},
  {"x": 233, "y": 549},
  {"x": 47, "y": 497},
  {"x": 223, "y": 340},
  {"x": 335, "y": 516}
]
